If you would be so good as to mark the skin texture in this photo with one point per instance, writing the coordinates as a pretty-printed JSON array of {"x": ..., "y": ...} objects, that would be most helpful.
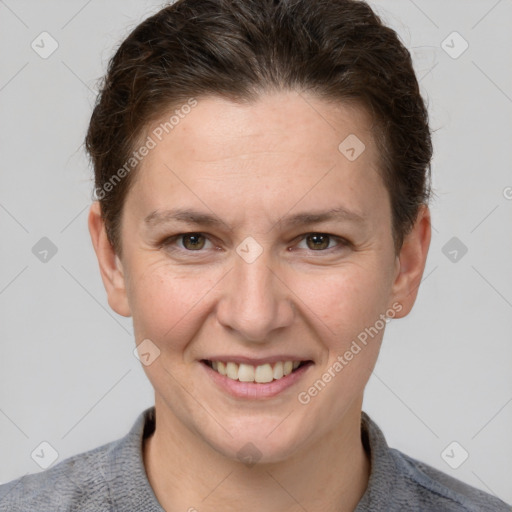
[{"x": 251, "y": 165}]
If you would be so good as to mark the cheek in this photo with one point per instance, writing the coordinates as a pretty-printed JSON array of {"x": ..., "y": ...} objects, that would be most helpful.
[
  {"x": 165, "y": 303},
  {"x": 347, "y": 306},
  {"x": 343, "y": 302}
]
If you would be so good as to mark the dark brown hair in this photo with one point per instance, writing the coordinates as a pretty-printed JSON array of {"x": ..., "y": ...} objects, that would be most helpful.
[{"x": 239, "y": 49}]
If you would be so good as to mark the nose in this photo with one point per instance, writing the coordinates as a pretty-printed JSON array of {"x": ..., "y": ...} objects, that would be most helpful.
[{"x": 255, "y": 301}]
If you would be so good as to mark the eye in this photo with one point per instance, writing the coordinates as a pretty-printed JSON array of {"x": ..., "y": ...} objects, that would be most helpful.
[
  {"x": 196, "y": 242},
  {"x": 191, "y": 241},
  {"x": 319, "y": 242}
]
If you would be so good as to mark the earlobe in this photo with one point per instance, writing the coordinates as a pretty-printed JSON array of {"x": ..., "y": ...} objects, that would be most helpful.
[
  {"x": 111, "y": 268},
  {"x": 411, "y": 262}
]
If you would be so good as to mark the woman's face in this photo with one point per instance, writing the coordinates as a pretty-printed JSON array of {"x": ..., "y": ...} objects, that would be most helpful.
[{"x": 259, "y": 280}]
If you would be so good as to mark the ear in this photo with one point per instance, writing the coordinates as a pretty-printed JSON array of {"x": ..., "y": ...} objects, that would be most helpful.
[
  {"x": 111, "y": 268},
  {"x": 411, "y": 262}
]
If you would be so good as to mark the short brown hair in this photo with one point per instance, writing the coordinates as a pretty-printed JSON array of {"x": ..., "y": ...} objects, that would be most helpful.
[{"x": 238, "y": 49}]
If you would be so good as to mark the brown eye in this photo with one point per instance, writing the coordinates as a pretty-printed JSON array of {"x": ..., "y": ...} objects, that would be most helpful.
[
  {"x": 318, "y": 241},
  {"x": 193, "y": 241}
]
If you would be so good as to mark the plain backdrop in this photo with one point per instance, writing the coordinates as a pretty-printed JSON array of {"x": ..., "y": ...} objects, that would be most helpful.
[{"x": 68, "y": 375}]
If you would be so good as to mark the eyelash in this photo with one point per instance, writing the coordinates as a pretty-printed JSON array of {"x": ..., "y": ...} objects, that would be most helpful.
[{"x": 169, "y": 242}]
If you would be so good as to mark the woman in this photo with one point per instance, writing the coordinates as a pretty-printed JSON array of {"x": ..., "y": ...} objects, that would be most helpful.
[{"x": 262, "y": 184}]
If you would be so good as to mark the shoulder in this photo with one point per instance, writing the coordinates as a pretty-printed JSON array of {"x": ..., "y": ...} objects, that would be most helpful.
[
  {"x": 440, "y": 491},
  {"x": 111, "y": 476},
  {"x": 77, "y": 483},
  {"x": 400, "y": 482}
]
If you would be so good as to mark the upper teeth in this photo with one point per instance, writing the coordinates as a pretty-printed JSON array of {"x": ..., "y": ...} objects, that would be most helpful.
[{"x": 249, "y": 373}]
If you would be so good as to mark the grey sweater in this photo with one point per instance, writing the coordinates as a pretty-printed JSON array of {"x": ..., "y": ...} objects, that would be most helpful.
[{"x": 112, "y": 478}]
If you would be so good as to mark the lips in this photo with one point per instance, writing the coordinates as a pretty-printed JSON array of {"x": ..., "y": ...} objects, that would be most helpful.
[{"x": 258, "y": 373}]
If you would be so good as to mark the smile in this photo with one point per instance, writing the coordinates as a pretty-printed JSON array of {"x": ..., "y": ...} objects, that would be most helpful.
[{"x": 262, "y": 373}]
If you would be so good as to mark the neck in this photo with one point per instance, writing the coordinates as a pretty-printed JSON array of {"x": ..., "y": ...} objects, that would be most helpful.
[{"x": 330, "y": 475}]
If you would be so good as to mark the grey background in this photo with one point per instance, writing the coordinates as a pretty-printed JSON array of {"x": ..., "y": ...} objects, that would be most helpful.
[{"x": 67, "y": 372}]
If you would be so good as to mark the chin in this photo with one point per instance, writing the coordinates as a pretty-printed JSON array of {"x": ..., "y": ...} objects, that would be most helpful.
[{"x": 259, "y": 443}]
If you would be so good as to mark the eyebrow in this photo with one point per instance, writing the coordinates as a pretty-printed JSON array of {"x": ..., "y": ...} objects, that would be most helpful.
[{"x": 190, "y": 216}]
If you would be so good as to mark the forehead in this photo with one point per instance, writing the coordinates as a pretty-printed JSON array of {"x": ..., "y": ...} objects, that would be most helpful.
[
  {"x": 218, "y": 129},
  {"x": 279, "y": 151}
]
